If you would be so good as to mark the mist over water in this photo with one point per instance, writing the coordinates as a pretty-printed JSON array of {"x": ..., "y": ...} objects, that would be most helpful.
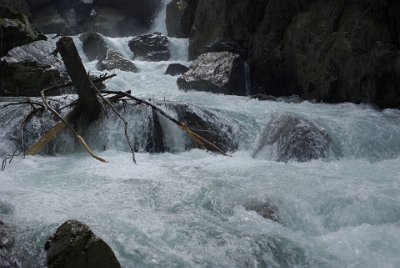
[{"x": 188, "y": 208}]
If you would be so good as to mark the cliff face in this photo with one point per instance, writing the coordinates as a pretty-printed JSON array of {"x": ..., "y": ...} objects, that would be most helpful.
[{"x": 327, "y": 50}]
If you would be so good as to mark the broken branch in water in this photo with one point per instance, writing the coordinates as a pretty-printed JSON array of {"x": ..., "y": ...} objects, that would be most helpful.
[{"x": 204, "y": 143}]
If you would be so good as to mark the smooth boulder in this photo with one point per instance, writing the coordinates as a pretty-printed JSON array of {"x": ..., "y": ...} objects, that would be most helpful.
[
  {"x": 94, "y": 46},
  {"x": 218, "y": 72},
  {"x": 175, "y": 69},
  {"x": 75, "y": 245},
  {"x": 289, "y": 137},
  {"x": 150, "y": 47},
  {"x": 27, "y": 78},
  {"x": 114, "y": 60}
]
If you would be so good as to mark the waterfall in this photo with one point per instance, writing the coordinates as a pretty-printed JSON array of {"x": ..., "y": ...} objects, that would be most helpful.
[
  {"x": 248, "y": 78},
  {"x": 159, "y": 21}
]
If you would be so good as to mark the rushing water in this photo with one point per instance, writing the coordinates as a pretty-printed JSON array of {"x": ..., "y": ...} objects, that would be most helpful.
[{"x": 187, "y": 208}]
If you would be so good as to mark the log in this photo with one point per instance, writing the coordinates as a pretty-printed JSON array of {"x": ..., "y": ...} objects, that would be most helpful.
[{"x": 88, "y": 102}]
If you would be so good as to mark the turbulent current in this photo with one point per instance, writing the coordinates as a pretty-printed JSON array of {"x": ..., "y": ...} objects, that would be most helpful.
[{"x": 190, "y": 208}]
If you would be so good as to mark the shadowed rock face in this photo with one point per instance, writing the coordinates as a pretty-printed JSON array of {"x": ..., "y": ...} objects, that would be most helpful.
[
  {"x": 94, "y": 46},
  {"x": 16, "y": 30},
  {"x": 219, "y": 72},
  {"x": 111, "y": 18},
  {"x": 288, "y": 137},
  {"x": 176, "y": 69},
  {"x": 328, "y": 50},
  {"x": 75, "y": 245},
  {"x": 180, "y": 17}
]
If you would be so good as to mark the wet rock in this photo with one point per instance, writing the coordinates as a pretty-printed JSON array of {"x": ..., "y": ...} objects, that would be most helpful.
[
  {"x": 38, "y": 51},
  {"x": 94, "y": 46},
  {"x": 176, "y": 69},
  {"x": 208, "y": 125},
  {"x": 288, "y": 137},
  {"x": 150, "y": 47},
  {"x": 218, "y": 72},
  {"x": 114, "y": 60},
  {"x": 27, "y": 78},
  {"x": 16, "y": 30},
  {"x": 266, "y": 209},
  {"x": 7, "y": 254},
  {"x": 180, "y": 17},
  {"x": 75, "y": 245}
]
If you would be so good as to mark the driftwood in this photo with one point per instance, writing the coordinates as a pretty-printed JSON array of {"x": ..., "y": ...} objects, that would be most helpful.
[
  {"x": 88, "y": 101},
  {"x": 88, "y": 104}
]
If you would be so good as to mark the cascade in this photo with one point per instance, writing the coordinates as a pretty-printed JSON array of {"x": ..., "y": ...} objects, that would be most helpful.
[{"x": 331, "y": 173}]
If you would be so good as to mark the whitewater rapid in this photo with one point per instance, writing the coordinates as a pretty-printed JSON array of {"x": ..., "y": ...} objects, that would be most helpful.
[{"x": 187, "y": 208}]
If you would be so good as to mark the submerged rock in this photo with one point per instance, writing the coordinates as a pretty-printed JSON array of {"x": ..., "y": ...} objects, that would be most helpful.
[
  {"x": 288, "y": 137},
  {"x": 27, "y": 78},
  {"x": 218, "y": 72},
  {"x": 150, "y": 47},
  {"x": 75, "y": 245},
  {"x": 176, "y": 69},
  {"x": 94, "y": 46},
  {"x": 16, "y": 30},
  {"x": 266, "y": 209},
  {"x": 114, "y": 60}
]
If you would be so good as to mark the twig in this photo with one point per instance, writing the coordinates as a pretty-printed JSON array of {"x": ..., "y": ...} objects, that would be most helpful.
[
  {"x": 196, "y": 137},
  {"x": 122, "y": 119},
  {"x": 80, "y": 139}
]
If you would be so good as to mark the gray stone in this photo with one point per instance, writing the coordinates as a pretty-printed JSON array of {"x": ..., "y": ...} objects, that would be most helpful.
[
  {"x": 114, "y": 60},
  {"x": 288, "y": 137},
  {"x": 75, "y": 245},
  {"x": 180, "y": 17},
  {"x": 94, "y": 46},
  {"x": 218, "y": 72},
  {"x": 176, "y": 69}
]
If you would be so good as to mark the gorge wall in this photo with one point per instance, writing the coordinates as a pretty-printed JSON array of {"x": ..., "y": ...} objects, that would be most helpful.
[{"x": 326, "y": 50}]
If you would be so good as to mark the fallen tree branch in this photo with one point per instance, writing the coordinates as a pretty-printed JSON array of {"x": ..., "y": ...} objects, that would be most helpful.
[
  {"x": 205, "y": 144},
  {"x": 122, "y": 119}
]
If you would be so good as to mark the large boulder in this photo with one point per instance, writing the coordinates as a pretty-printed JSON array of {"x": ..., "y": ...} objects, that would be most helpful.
[
  {"x": 27, "y": 78},
  {"x": 49, "y": 21},
  {"x": 75, "y": 245},
  {"x": 208, "y": 125},
  {"x": 114, "y": 60},
  {"x": 16, "y": 30},
  {"x": 94, "y": 46},
  {"x": 180, "y": 17},
  {"x": 150, "y": 47},
  {"x": 176, "y": 69},
  {"x": 289, "y": 137},
  {"x": 218, "y": 72}
]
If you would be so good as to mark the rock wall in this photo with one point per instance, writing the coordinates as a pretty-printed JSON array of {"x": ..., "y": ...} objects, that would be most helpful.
[
  {"x": 327, "y": 50},
  {"x": 109, "y": 17}
]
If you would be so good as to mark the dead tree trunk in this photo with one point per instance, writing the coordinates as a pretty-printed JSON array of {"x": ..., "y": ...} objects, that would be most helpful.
[{"x": 88, "y": 102}]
